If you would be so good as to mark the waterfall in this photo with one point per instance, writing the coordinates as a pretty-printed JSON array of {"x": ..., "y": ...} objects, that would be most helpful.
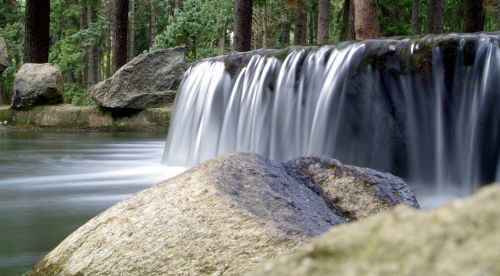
[{"x": 426, "y": 109}]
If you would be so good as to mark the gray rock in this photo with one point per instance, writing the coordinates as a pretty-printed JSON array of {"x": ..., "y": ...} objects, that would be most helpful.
[
  {"x": 224, "y": 216},
  {"x": 38, "y": 84},
  {"x": 149, "y": 80},
  {"x": 462, "y": 238},
  {"x": 4, "y": 55}
]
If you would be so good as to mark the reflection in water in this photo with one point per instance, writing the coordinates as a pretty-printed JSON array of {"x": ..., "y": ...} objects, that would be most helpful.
[{"x": 52, "y": 183}]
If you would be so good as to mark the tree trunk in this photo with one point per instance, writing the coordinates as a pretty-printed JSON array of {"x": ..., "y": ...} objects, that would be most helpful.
[
  {"x": 285, "y": 30},
  {"x": 83, "y": 78},
  {"x": 366, "y": 21},
  {"x": 242, "y": 25},
  {"x": 37, "y": 25},
  {"x": 415, "y": 22},
  {"x": 222, "y": 39},
  {"x": 347, "y": 32},
  {"x": 323, "y": 21},
  {"x": 264, "y": 33},
  {"x": 93, "y": 56},
  {"x": 474, "y": 16},
  {"x": 131, "y": 37},
  {"x": 177, "y": 4},
  {"x": 435, "y": 15},
  {"x": 498, "y": 15},
  {"x": 120, "y": 33},
  {"x": 153, "y": 31},
  {"x": 300, "y": 37}
]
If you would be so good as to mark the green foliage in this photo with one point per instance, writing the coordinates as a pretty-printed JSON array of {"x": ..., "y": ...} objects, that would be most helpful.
[
  {"x": 198, "y": 26},
  {"x": 395, "y": 17},
  {"x": 74, "y": 94},
  {"x": 12, "y": 30}
]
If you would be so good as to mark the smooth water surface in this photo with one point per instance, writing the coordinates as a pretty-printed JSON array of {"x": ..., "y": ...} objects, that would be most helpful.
[{"x": 52, "y": 183}]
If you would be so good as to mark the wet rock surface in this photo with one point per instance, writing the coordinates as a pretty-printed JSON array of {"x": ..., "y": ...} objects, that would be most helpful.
[
  {"x": 224, "y": 216},
  {"x": 460, "y": 239},
  {"x": 38, "y": 84},
  {"x": 149, "y": 80}
]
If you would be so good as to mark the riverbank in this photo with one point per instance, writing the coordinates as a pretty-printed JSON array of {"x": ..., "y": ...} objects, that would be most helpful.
[{"x": 85, "y": 118}]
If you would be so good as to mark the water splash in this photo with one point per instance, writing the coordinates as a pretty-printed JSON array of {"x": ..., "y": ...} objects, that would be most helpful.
[{"x": 426, "y": 109}]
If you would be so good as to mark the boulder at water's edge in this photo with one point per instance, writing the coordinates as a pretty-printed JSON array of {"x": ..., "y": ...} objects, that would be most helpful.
[
  {"x": 148, "y": 80},
  {"x": 38, "y": 84},
  {"x": 224, "y": 216},
  {"x": 462, "y": 238}
]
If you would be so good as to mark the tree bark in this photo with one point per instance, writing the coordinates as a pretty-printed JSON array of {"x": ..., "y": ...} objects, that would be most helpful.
[
  {"x": 153, "y": 31},
  {"x": 435, "y": 15},
  {"x": 300, "y": 37},
  {"x": 83, "y": 78},
  {"x": 243, "y": 25},
  {"x": 285, "y": 30},
  {"x": 323, "y": 21},
  {"x": 265, "y": 30},
  {"x": 131, "y": 29},
  {"x": 37, "y": 26},
  {"x": 347, "y": 32},
  {"x": 474, "y": 16},
  {"x": 177, "y": 4},
  {"x": 120, "y": 33},
  {"x": 366, "y": 21},
  {"x": 93, "y": 57},
  {"x": 415, "y": 21},
  {"x": 498, "y": 15}
]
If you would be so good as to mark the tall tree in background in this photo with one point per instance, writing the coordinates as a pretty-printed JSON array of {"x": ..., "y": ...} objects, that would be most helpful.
[
  {"x": 366, "y": 21},
  {"x": 285, "y": 29},
  {"x": 37, "y": 24},
  {"x": 498, "y": 15},
  {"x": 153, "y": 31},
  {"x": 120, "y": 33},
  {"x": 415, "y": 22},
  {"x": 131, "y": 37},
  {"x": 243, "y": 25},
  {"x": 300, "y": 35},
  {"x": 474, "y": 16},
  {"x": 93, "y": 53},
  {"x": 323, "y": 21},
  {"x": 347, "y": 32},
  {"x": 435, "y": 16}
]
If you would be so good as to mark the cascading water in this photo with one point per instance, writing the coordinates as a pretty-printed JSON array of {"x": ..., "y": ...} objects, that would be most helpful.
[{"x": 426, "y": 109}]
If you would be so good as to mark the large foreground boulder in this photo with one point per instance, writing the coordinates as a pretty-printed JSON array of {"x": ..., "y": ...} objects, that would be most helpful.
[
  {"x": 224, "y": 216},
  {"x": 460, "y": 239},
  {"x": 149, "y": 80},
  {"x": 38, "y": 84},
  {"x": 4, "y": 56}
]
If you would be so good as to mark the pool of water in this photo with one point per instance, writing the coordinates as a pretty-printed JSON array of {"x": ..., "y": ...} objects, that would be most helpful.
[{"x": 53, "y": 182}]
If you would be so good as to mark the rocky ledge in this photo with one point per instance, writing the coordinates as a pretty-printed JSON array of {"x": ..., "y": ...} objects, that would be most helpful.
[
  {"x": 462, "y": 238},
  {"x": 70, "y": 117},
  {"x": 224, "y": 217}
]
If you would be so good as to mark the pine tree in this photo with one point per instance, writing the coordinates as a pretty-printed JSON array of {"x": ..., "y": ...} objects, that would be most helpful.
[
  {"x": 37, "y": 25},
  {"x": 242, "y": 25}
]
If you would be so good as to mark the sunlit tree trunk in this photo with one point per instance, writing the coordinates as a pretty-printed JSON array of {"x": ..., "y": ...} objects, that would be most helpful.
[
  {"x": 435, "y": 15},
  {"x": 120, "y": 33},
  {"x": 366, "y": 21},
  {"x": 474, "y": 16},
  {"x": 323, "y": 21},
  {"x": 242, "y": 25},
  {"x": 415, "y": 22}
]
